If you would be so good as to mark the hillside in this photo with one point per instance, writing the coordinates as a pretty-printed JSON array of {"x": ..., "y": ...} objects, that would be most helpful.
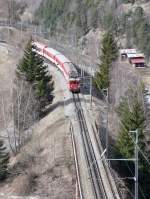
[
  {"x": 50, "y": 143},
  {"x": 44, "y": 168},
  {"x": 80, "y": 16},
  {"x": 18, "y": 9},
  {"x": 76, "y": 30}
]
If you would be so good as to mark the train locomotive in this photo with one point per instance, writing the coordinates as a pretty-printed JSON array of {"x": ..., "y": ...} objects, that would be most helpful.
[{"x": 65, "y": 65}]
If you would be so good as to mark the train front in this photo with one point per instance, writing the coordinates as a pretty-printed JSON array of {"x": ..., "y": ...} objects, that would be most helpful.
[
  {"x": 74, "y": 85},
  {"x": 74, "y": 82}
]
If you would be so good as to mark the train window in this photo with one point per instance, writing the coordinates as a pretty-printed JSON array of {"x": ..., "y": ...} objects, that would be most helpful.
[
  {"x": 73, "y": 74},
  {"x": 73, "y": 82}
]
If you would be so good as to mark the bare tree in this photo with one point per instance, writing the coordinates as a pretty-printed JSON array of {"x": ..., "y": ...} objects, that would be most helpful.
[
  {"x": 19, "y": 115},
  {"x": 25, "y": 109}
]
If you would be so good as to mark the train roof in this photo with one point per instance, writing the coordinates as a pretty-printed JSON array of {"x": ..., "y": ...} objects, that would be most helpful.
[
  {"x": 70, "y": 65},
  {"x": 72, "y": 72},
  {"x": 52, "y": 51},
  {"x": 62, "y": 58}
]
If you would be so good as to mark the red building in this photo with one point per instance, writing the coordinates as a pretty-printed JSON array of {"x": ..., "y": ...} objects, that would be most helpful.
[{"x": 137, "y": 59}]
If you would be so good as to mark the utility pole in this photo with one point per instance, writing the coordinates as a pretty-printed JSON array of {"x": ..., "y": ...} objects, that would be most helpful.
[
  {"x": 105, "y": 93},
  {"x": 91, "y": 86},
  {"x": 135, "y": 159},
  {"x": 136, "y": 166},
  {"x": 91, "y": 91},
  {"x": 21, "y": 30},
  {"x": 136, "y": 162},
  {"x": 11, "y": 11}
]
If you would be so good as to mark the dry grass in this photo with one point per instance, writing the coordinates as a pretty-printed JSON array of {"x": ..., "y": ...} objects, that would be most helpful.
[{"x": 45, "y": 164}]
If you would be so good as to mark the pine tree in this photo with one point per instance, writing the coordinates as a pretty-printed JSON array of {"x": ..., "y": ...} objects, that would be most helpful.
[
  {"x": 131, "y": 115},
  {"x": 109, "y": 49},
  {"x": 42, "y": 73},
  {"x": 44, "y": 81},
  {"x": 124, "y": 143},
  {"x": 30, "y": 62},
  {"x": 102, "y": 79},
  {"x": 33, "y": 67},
  {"x": 109, "y": 54},
  {"x": 4, "y": 159}
]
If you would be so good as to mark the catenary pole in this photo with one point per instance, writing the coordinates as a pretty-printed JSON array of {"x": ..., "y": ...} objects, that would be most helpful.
[
  {"x": 136, "y": 162},
  {"x": 91, "y": 91},
  {"x": 136, "y": 165}
]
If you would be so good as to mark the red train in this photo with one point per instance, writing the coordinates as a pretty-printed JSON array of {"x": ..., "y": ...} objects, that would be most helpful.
[{"x": 65, "y": 65}]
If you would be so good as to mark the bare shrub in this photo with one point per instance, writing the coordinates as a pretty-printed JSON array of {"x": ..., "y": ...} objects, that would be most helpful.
[
  {"x": 23, "y": 183},
  {"x": 25, "y": 110}
]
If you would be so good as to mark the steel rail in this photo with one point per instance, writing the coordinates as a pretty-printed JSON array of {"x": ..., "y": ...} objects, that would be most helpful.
[
  {"x": 106, "y": 167},
  {"x": 76, "y": 165},
  {"x": 95, "y": 176},
  {"x": 108, "y": 170},
  {"x": 99, "y": 190}
]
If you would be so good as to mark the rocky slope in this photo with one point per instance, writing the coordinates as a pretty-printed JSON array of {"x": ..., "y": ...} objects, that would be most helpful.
[
  {"x": 18, "y": 9},
  {"x": 85, "y": 14}
]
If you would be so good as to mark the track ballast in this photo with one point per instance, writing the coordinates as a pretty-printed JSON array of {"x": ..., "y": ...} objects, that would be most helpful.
[{"x": 96, "y": 180}]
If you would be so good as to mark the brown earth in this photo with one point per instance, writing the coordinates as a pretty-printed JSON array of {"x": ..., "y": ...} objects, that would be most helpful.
[{"x": 45, "y": 166}]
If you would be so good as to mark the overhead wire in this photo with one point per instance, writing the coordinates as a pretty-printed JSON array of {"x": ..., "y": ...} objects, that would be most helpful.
[
  {"x": 138, "y": 182},
  {"x": 144, "y": 158},
  {"x": 140, "y": 150}
]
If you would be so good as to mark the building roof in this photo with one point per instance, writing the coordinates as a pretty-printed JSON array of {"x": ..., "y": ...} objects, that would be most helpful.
[
  {"x": 136, "y": 55},
  {"x": 137, "y": 61},
  {"x": 126, "y": 51}
]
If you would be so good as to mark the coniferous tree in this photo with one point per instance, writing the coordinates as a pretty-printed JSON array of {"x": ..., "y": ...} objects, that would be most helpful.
[
  {"x": 42, "y": 73},
  {"x": 109, "y": 49},
  {"x": 131, "y": 115},
  {"x": 109, "y": 54},
  {"x": 4, "y": 159},
  {"x": 43, "y": 81},
  {"x": 30, "y": 62},
  {"x": 102, "y": 77},
  {"x": 33, "y": 67}
]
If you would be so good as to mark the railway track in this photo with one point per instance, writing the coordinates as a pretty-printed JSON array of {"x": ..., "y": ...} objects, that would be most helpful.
[
  {"x": 99, "y": 191},
  {"x": 107, "y": 168}
]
